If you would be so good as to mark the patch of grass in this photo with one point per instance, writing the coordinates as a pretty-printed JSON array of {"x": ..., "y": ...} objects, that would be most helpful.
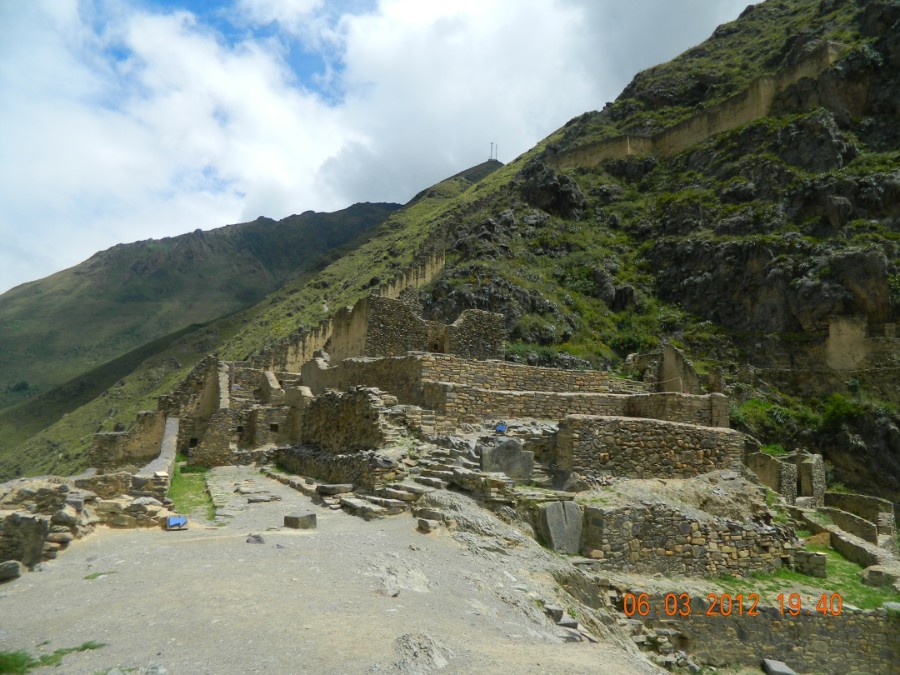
[
  {"x": 188, "y": 491},
  {"x": 21, "y": 661},
  {"x": 774, "y": 449},
  {"x": 97, "y": 575},
  {"x": 843, "y": 578}
]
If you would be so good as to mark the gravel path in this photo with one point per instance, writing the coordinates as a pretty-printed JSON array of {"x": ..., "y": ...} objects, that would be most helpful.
[{"x": 349, "y": 597}]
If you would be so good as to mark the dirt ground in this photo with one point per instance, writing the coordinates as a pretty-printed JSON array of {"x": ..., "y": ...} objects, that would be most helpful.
[{"x": 349, "y": 597}]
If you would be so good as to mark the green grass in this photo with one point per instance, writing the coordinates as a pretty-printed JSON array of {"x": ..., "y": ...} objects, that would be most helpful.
[
  {"x": 843, "y": 577},
  {"x": 97, "y": 575},
  {"x": 188, "y": 492},
  {"x": 22, "y": 662}
]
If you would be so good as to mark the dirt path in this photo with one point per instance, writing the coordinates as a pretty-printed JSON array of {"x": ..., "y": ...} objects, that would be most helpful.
[{"x": 349, "y": 597}]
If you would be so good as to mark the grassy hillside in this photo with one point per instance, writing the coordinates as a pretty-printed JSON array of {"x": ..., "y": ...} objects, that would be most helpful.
[{"x": 55, "y": 329}]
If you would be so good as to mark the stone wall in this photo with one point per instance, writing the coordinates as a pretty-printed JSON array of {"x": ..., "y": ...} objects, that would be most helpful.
[
  {"x": 381, "y": 326},
  {"x": 738, "y": 110},
  {"x": 400, "y": 375},
  {"x": 343, "y": 423},
  {"x": 153, "y": 480},
  {"x": 362, "y": 469},
  {"x": 133, "y": 448},
  {"x": 856, "y": 641},
  {"x": 268, "y": 425},
  {"x": 472, "y": 404},
  {"x": 642, "y": 448},
  {"x": 875, "y": 510},
  {"x": 781, "y": 477},
  {"x": 476, "y": 334},
  {"x": 656, "y": 537},
  {"x": 853, "y": 524},
  {"x": 708, "y": 410},
  {"x": 810, "y": 478},
  {"x": 22, "y": 536},
  {"x": 511, "y": 376},
  {"x": 222, "y": 434},
  {"x": 291, "y": 353}
]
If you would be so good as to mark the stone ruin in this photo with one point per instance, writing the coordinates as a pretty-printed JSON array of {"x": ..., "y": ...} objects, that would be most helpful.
[{"x": 556, "y": 450}]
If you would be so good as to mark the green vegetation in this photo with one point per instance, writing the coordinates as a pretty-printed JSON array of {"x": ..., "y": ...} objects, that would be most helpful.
[
  {"x": 188, "y": 492},
  {"x": 843, "y": 578},
  {"x": 97, "y": 575},
  {"x": 22, "y": 662}
]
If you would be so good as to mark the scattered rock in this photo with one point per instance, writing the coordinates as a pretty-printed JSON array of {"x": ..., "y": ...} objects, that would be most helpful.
[
  {"x": 301, "y": 521},
  {"x": 420, "y": 653},
  {"x": 255, "y": 539},
  {"x": 427, "y": 525},
  {"x": 773, "y": 667},
  {"x": 11, "y": 569}
]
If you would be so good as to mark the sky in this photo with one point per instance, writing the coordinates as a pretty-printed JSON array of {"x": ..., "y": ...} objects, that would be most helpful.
[{"x": 124, "y": 120}]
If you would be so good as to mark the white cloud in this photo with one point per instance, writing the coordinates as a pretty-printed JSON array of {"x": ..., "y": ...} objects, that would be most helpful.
[{"x": 119, "y": 121}]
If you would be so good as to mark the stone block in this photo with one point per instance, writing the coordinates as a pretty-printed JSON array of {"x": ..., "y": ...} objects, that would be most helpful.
[
  {"x": 301, "y": 521},
  {"x": 560, "y": 526},
  {"x": 427, "y": 525},
  {"x": 11, "y": 569},
  {"x": 773, "y": 667},
  {"x": 510, "y": 458}
]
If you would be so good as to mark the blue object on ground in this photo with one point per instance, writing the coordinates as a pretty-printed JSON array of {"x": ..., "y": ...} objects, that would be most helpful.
[
  {"x": 501, "y": 428},
  {"x": 176, "y": 522}
]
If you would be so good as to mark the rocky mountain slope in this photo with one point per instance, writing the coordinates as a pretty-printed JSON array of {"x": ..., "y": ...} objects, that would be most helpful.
[{"x": 740, "y": 202}]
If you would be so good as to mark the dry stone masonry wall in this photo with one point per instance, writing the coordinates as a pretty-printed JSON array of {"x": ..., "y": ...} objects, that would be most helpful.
[
  {"x": 641, "y": 448},
  {"x": 656, "y": 537},
  {"x": 855, "y": 641},
  {"x": 743, "y": 108}
]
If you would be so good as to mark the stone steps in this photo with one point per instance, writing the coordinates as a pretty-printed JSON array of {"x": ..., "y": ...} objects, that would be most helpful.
[
  {"x": 392, "y": 506},
  {"x": 363, "y": 508},
  {"x": 395, "y": 493},
  {"x": 431, "y": 482},
  {"x": 442, "y": 474}
]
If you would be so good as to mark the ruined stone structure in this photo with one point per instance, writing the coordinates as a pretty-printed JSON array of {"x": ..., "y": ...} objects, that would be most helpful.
[
  {"x": 380, "y": 326},
  {"x": 742, "y": 108}
]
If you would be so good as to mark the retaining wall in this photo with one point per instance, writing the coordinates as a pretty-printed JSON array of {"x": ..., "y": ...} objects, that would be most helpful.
[
  {"x": 738, "y": 110},
  {"x": 643, "y": 448},
  {"x": 856, "y": 641},
  {"x": 657, "y": 537},
  {"x": 775, "y": 474}
]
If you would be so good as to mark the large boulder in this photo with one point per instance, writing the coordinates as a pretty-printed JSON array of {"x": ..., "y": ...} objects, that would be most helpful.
[
  {"x": 550, "y": 191},
  {"x": 559, "y": 524}
]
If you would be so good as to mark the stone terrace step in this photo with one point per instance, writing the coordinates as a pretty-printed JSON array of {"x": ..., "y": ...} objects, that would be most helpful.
[
  {"x": 414, "y": 489},
  {"x": 363, "y": 508},
  {"x": 392, "y": 506},
  {"x": 431, "y": 482},
  {"x": 442, "y": 474},
  {"x": 395, "y": 493}
]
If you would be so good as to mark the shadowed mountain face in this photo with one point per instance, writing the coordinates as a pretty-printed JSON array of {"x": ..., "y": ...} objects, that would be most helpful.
[{"x": 55, "y": 328}]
